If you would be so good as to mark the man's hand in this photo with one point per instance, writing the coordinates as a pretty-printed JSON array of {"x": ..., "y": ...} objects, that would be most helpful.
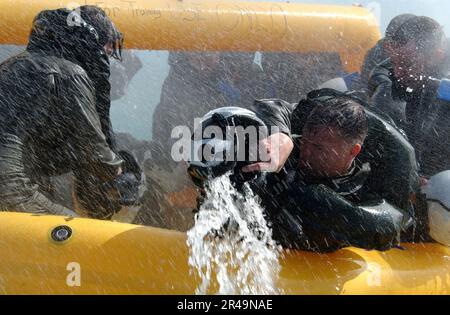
[
  {"x": 277, "y": 149},
  {"x": 423, "y": 181}
]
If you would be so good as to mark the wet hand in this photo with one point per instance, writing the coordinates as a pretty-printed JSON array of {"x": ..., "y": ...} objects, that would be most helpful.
[
  {"x": 423, "y": 181},
  {"x": 275, "y": 151}
]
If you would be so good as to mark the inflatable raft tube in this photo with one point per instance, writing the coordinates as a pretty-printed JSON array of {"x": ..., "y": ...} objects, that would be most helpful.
[
  {"x": 219, "y": 26},
  {"x": 100, "y": 257}
]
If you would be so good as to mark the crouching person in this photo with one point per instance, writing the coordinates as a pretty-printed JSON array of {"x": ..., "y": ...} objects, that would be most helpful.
[
  {"x": 55, "y": 116},
  {"x": 338, "y": 175}
]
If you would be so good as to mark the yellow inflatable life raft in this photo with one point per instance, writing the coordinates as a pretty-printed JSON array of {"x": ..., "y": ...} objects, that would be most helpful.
[
  {"x": 52, "y": 255},
  {"x": 55, "y": 255}
]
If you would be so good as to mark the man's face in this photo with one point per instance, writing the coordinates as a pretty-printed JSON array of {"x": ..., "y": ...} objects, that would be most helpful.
[
  {"x": 325, "y": 153},
  {"x": 410, "y": 64}
]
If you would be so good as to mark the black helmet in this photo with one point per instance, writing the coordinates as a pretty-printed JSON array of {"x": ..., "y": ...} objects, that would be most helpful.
[{"x": 228, "y": 152}]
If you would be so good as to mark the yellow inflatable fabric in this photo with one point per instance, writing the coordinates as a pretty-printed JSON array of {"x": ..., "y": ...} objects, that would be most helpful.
[
  {"x": 104, "y": 257},
  {"x": 219, "y": 26}
]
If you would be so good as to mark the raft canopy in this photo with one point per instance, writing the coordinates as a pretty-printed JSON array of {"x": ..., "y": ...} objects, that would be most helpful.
[{"x": 219, "y": 26}]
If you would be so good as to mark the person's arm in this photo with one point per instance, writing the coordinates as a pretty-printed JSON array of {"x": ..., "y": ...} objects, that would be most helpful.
[
  {"x": 372, "y": 226},
  {"x": 38, "y": 203},
  {"x": 379, "y": 86},
  {"x": 276, "y": 114},
  {"x": 96, "y": 162},
  {"x": 18, "y": 191},
  {"x": 79, "y": 110},
  {"x": 367, "y": 67},
  {"x": 381, "y": 97}
]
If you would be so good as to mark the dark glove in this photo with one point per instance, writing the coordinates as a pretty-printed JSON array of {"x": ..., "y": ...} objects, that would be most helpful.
[
  {"x": 381, "y": 97},
  {"x": 102, "y": 200},
  {"x": 131, "y": 184}
]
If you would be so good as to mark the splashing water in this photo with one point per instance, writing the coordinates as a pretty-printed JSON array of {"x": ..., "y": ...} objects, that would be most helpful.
[{"x": 232, "y": 241}]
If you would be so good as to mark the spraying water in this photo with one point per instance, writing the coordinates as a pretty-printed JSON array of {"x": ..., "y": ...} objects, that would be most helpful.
[{"x": 231, "y": 241}]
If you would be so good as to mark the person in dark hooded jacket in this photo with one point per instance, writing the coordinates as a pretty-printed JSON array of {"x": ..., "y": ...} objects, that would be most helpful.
[
  {"x": 418, "y": 54},
  {"x": 55, "y": 113},
  {"x": 378, "y": 54}
]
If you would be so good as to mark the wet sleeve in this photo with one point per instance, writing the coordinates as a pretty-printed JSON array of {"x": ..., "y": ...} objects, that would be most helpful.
[
  {"x": 371, "y": 61},
  {"x": 85, "y": 127},
  {"x": 38, "y": 203},
  {"x": 367, "y": 68},
  {"x": 379, "y": 85},
  {"x": 17, "y": 191},
  {"x": 381, "y": 99},
  {"x": 275, "y": 113}
]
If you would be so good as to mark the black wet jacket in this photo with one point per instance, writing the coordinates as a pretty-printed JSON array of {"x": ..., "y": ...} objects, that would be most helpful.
[
  {"x": 418, "y": 112},
  {"x": 50, "y": 102},
  {"x": 370, "y": 207},
  {"x": 53, "y": 35}
]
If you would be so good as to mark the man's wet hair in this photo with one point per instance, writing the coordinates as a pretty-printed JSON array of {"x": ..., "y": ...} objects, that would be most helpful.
[
  {"x": 343, "y": 113},
  {"x": 396, "y": 22},
  {"x": 424, "y": 31}
]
